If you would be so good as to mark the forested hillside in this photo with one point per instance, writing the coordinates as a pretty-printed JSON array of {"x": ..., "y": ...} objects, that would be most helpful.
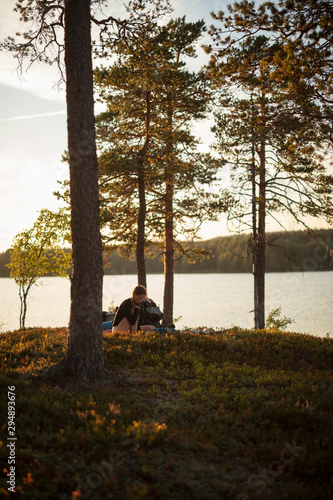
[
  {"x": 288, "y": 251},
  {"x": 4, "y": 260}
]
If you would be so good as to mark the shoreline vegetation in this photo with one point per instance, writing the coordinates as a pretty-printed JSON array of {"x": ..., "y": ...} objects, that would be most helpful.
[
  {"x": 287, "y": 251},
  {"x": 238, "y": 414}
]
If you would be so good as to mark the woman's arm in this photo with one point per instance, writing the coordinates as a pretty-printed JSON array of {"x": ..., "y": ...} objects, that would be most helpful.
[{"x": 131, "y": 311}]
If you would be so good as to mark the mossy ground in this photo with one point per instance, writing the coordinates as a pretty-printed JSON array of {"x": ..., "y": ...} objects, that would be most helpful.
[{"x": 234, "y": 415}]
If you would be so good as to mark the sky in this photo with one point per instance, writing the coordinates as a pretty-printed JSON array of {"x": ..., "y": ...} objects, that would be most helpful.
[{"x": 33, "y": 133}]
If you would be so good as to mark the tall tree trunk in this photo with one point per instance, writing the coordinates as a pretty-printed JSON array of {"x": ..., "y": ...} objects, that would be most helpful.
[
  {"x": 23, "y": 310},
  {"x": 140, "y": 241},
  {"x": 254, "y": 218},
  {"x": 169, "y": 252},
  {"x": 261, "y": 243},
  {"x": 84, "y": 356},
  {"x": 168, "y": 256}
]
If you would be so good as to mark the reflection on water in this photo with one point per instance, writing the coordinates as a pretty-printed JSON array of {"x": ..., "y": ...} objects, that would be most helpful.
[{"x": 212, "y": 300}]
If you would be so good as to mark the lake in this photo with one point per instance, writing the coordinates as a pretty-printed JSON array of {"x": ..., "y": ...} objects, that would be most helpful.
[{"x": 201, "y": 300}]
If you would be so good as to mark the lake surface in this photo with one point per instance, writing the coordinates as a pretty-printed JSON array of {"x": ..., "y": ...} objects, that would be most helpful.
[{"x": 210, "y": 300}]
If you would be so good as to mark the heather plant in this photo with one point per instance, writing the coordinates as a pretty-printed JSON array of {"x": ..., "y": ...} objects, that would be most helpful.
[
  {"x": 273, "y": 320},
  {"x": 237, "y": 414}
]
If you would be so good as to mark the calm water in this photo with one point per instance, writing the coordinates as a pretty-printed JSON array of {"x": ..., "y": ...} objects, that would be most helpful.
[{"x": 212, "y": 300}]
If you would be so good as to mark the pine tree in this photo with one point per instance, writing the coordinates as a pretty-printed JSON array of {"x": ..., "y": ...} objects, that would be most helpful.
[
  {"x": 304, "y": 32},
  {"x": 124, "y": 131},
  {"x": 146, "y": 131},
  {"x": 258, "y": 133},
  {"x": 53, "y": 21}
]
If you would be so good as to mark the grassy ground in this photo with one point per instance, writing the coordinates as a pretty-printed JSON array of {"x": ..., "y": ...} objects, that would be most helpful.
[{"x": 235, "y": 415}]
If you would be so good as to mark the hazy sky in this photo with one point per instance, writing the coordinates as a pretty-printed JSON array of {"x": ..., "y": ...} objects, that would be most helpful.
[{"x": 33, "y": 126}]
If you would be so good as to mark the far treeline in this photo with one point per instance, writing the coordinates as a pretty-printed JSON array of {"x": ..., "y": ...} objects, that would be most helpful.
[{"x": 286, "y": 251}]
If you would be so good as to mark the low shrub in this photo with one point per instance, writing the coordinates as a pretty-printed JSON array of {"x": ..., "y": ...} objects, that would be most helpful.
[{"x": 237, "y": 414}]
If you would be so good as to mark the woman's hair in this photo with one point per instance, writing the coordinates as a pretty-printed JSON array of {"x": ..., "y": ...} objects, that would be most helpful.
[{"x": 139, "y": 290}]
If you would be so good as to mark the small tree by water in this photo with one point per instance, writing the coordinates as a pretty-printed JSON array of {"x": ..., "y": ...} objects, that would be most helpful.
[
  {"x": 38, "y": 252},
  {"x": 274, "y": 321}
]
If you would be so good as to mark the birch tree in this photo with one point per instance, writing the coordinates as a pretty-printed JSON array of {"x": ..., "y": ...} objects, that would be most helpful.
[{"x": 40, "y": 251}]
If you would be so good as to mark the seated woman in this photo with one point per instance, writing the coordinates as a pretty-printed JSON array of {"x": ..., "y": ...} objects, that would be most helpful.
[{"x": 127, "y": 316}]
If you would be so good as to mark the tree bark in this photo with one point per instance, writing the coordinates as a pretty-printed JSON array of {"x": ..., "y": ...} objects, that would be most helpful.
[
  {"x": 84, "y": 357},
  {"x": 169, "y": 251},
  {"x": 168, "y": 256},
  {"x": 140, "y": 241},
  {"x": 23, "y": 309},
  {"x": 254, "y": 217},
  {"x": 141, "y": 236},
  {"x": 261, "y": 244}
]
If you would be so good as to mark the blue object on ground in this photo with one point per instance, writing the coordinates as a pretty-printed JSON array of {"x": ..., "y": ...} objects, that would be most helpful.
[
  {"x": 166, "y": 329},
  {"x": 107, "y": 325}
]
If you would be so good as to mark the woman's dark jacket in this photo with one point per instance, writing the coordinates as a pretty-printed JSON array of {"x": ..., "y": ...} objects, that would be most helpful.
[{"x": 124, "y": 311}]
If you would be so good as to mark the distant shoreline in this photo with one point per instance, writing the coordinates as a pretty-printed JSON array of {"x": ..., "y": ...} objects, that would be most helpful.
[
  {"x": 201, "y": 272},
  {"x": 231, "y": 255}
]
